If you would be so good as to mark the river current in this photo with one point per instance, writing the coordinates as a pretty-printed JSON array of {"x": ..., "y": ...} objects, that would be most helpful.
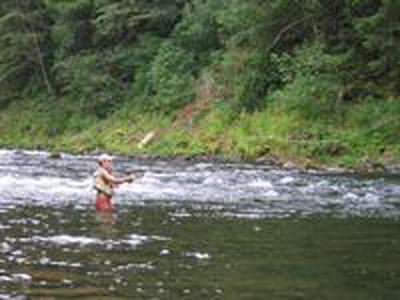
[{"x": 191, "y": 230}]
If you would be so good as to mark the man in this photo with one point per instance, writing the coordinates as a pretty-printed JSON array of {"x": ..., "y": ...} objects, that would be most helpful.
[{"x": 105, "y": 183}]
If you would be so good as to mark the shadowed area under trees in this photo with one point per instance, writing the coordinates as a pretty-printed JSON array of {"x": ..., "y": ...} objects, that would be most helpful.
[{"x": 309, "y": 80}]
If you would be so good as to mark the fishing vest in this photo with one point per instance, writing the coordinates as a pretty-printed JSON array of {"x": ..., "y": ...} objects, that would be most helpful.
[{"x": 101, "y": 184}]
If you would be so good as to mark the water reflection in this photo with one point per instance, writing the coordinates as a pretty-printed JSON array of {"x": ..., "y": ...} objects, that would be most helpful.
[{"x": 105, "y": 219}]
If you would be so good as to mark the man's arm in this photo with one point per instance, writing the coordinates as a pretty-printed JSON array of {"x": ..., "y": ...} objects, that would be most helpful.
[{"x": 116, "y": 180}]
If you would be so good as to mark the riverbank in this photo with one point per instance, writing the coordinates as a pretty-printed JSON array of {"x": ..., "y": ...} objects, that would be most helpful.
[
  {"x": 243, "y": 81},
  {"x": 274, "y": 136}
]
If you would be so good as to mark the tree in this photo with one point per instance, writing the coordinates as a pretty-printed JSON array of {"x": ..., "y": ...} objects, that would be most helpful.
[
  {"x": 26, "y": 46},
  {"x": 379, "y": 36},
  {"x": 73, "y": 30},
  {"x": 123, "y": 21}
]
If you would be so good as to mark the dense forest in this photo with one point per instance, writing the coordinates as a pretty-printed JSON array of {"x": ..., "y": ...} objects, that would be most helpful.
[{"x": 302, "y": 80}]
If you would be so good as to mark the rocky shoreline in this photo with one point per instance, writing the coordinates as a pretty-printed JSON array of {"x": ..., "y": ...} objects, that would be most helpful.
[{"x": 367, "y": 167}]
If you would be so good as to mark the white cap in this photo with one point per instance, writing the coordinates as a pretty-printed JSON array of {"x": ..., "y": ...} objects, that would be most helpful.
[{"x": 104, "y": 157}]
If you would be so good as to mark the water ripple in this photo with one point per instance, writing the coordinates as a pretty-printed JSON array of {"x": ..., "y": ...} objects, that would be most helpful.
[{"x": 34, "y": 178}]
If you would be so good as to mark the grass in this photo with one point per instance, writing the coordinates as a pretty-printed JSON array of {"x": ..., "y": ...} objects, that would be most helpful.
[{"x": 365, "y": 133}]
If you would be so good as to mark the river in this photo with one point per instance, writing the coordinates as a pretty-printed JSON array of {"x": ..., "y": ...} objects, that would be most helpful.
[{"x": 195, "y": 230}]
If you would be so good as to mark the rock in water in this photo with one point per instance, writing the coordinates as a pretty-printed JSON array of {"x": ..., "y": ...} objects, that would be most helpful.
[{"x": 55, "y": 155}]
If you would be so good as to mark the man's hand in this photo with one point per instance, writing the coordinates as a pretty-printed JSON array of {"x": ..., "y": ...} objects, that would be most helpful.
[
  {"x": 130, "y": 178},
  {"x": 138, "y": 174}
]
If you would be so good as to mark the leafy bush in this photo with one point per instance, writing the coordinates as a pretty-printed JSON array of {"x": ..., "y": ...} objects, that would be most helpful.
[
  {"x": 89, "y": 86},
  {"x": 124, "y": 21},
  {"x": 313, "y": 83},
  {"x": 170, "y": 78},
  {"x": 379, "y": 39},
  {"x": 73, "y": 29},
  {"x": 197, "y": 33},
  {"x": 25, "y": 51},
  {"x": 247, "y": 77}
]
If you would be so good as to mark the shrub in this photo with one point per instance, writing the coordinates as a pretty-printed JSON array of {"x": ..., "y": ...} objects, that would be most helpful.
[
  {"x": 170, "y": 79},
  {"x": 313, "y": 83},
  {"x": 89, "y": 86}
]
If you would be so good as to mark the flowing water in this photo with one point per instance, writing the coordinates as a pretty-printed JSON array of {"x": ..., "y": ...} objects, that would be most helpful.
[{"x": 195, "y": 231}]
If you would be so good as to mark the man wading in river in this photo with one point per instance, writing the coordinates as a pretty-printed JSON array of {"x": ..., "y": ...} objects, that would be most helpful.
[{"x": 105, "y": 183}]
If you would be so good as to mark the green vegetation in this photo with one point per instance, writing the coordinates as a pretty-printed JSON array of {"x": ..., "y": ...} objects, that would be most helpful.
[{"x": 311, "y": 81}]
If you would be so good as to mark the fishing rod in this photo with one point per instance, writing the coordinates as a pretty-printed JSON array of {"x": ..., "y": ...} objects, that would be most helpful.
[{"x": 138, "y": 174}]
